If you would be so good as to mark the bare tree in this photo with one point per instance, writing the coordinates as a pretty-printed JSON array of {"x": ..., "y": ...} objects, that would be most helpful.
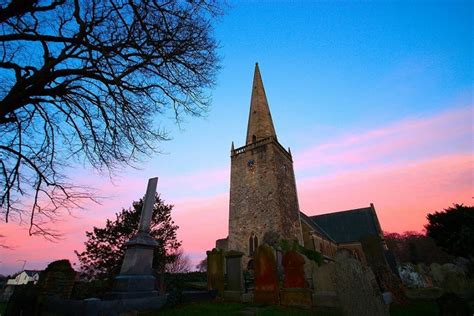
[
  {"x": 180, "y": 263},
  {"x": 81, "y": 82}
]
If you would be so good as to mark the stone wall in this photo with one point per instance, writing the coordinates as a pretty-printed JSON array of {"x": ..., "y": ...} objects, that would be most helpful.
[{"x": 262, "y": 196}]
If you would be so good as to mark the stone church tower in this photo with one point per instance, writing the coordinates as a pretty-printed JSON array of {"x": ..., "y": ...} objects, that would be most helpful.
[{"x": 263, "y": 198}]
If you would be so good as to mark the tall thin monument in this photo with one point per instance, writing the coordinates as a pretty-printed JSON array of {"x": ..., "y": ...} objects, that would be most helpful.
[
  {"x": 136, "y": 278},
  {"x": 263, "y": 197}
]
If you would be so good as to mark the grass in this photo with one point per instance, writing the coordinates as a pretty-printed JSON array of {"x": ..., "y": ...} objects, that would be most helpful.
[
  {"x": 415, "y": 308},
  {"x": 3, "y": 308},
  {"x": 229, "y": 309}
]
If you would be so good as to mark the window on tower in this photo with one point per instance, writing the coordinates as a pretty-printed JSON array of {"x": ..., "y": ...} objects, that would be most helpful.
[{"x": 253, "y": 244}]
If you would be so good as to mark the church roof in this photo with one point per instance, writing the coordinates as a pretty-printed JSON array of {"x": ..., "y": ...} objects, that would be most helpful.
[
  {"x": 349, "y": 226},
  {"x": 315, "y": 226},
  {"x": 260, "y": 122}
]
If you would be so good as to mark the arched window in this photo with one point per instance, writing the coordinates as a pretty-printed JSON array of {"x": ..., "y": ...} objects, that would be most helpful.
[
  {"x": 253, "y": 244},
  {"x": 251, "y": 249}
]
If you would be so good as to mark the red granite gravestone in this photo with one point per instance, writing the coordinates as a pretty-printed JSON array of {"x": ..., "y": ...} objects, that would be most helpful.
[
  {"x": 296, "y": 291},
  {"x": 266, "y": 276},
  {"x": 293, "y": 264}
]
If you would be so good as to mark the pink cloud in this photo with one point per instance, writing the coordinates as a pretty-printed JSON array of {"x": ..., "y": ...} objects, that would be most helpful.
[
  {"x": 398, "y": 140},
  {"x": 402, "y": 193},
  {"x": 200, "y": 180}
]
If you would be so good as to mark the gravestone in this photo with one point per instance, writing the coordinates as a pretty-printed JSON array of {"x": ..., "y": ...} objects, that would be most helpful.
[
  {"x": 266, "y": 276},
  {"x": 354, "y": 288},
  {"x": 451, "y": 279},
  {"x": 57, "y": 280},
  {"x": 295, "y": 291},
  {"x": 215, "y": 271},
  {"x": 234, "y": 276},
  {"x": 309, "y": 267},
  {"x": 293, "y": 265},
  {"x": 136, "y": 278},
  {"x": 324, "y": 288}
]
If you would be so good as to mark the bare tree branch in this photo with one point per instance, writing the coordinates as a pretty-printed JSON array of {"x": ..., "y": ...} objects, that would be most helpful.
[{"x": 83, "y": 81}]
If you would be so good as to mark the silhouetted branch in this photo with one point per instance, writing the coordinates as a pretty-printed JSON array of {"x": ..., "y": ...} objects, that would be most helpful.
[{"x": 81, "y": 81}]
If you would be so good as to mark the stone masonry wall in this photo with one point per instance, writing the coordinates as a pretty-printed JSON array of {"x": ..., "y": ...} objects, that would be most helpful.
[{"x": 262, "y": 197}]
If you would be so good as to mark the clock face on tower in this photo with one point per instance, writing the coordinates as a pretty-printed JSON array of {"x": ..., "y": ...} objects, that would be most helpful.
[{"x": 251, "y": 165}]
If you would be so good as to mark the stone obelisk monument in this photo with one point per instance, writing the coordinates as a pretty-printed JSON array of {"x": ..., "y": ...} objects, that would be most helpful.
[{"x": 136, "y": 279}]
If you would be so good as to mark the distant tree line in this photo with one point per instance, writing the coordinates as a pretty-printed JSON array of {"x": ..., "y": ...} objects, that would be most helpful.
[{"x": 449, "y": 234}]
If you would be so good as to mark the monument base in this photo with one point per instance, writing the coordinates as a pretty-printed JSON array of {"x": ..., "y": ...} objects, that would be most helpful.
[
  {"x": 266, "y": 297},
  {"x": 133, "y": 286},
  {"x": 299, "y": 297}
]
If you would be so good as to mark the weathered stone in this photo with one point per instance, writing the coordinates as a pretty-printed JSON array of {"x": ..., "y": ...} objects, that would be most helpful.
[
  {"x": 309, "y": 267},
  {"x": 266, "y": 276},
  {"x": 247, "y": 297},
  {"x": 57, "y": 280},
  {"x": 451, "y": 279},
  {"x": 299, "y": 297},
  {"x": 293, "y": 264},
  {"x": 136, "y": 278},
  {"x": 325, "y": 299},
  {"x": 354, "y": 288},
  {"x": 234, "y": 276},
  {"x": 323, "y": 278},
  {"x": 262, "y": 186},
  {"x": 215, "y": 271}
]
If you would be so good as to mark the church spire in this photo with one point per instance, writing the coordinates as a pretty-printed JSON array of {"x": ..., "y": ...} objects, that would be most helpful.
[{"x": 260, "y": 123}]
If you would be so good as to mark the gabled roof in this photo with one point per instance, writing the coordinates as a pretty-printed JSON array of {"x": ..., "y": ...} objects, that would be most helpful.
[
  {"x": 315, "y": 226},
  {"x": 31, "y": 273},
  {"x": 349, "y": 226}
]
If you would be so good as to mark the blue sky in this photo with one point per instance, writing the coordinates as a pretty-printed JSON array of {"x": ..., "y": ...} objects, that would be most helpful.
[{"x": 329, "y": 68}]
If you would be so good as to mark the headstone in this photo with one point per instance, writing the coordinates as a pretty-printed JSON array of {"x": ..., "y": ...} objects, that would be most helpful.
[
  {"x": 451, "y": 279},
  {"x": 234, "y": 276},
  {"x": 309, "y": 267},
  {"x": 266, "y": 276},
  {"x": 293, "y": 264},
  {"x": 296, "y": 291},
  {"x": 324, "y": 289},
  {"x": 57, "y": 280},
  {"x": 375, "y": 255},
  {"x": 215, "y": 271},
  {"x": 354, "y": 288},
  {"x": 136, "y": 278}
]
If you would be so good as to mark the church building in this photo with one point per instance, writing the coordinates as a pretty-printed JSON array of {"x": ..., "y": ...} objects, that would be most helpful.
[{"x": 264, "y": 201}]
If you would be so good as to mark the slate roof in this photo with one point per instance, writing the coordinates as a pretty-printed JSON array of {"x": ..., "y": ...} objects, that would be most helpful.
[
  {"x": 348, "y": 226},
  {"x": 315, "y": 226}
]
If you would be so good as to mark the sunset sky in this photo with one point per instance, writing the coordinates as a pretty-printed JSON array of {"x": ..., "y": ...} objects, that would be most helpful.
[{"x": 374, "y": 99}]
